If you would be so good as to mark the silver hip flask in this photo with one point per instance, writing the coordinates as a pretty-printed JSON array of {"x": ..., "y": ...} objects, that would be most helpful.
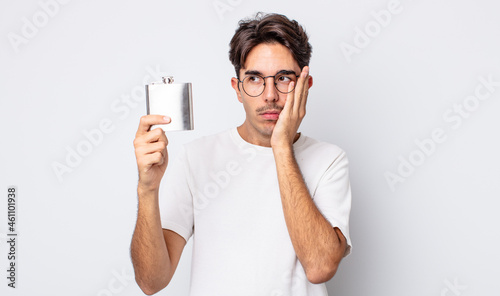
[{"x": 173, "y": 100}]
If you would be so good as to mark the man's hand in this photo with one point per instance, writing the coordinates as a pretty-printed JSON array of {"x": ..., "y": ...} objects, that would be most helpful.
[
  {"x": 151, "y": 152},
  {"x": 292, "y": 114}
]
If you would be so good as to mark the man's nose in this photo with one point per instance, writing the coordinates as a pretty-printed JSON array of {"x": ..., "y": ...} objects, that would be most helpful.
[{"x": 270, "y": 92}]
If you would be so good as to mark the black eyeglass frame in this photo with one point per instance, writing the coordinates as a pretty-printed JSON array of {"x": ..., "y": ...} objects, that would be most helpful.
[{"x": 264, "y": 78}]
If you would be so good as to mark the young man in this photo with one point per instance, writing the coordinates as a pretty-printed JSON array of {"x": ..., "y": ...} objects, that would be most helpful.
[{"x": 267, "y": 207}]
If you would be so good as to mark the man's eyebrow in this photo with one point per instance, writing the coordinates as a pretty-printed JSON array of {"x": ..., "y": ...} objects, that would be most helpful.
[
  {"x": 287, "y": 72},
  {"x": 255, "y": 72}
]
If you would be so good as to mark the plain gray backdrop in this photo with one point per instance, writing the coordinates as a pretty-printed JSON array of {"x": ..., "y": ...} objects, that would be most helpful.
[{"x": 410, "y": 89}]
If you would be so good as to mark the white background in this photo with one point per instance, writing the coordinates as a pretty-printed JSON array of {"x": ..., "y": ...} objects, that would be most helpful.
[{"x": 436, "y": 233}]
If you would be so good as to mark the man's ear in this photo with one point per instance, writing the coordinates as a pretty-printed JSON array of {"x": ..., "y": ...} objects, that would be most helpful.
[
  {"x": 310, "y": 81},
  {"x": 235, "y": 84}
]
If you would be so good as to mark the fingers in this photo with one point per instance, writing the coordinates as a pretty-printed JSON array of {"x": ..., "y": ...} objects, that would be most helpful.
[
  {"x": 150, "y": 137},
  {"x": 154, "y": 135},
  {"x": 290, "y": 98},
  {"x": 150, "y": 147},
  {"x": 147, "y": 161},
  {"x": 297, "y": 99},
  {"x": 302, "y": 91},
  {"x": 149, "y": 120},
  {"x": 149, "y": 156}
]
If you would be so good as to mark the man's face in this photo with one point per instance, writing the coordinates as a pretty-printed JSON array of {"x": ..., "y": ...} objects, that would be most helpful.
[{"x": 262, "y": 111}]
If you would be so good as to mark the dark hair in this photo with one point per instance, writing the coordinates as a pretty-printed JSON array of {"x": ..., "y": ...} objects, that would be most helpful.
[{"x": 269, "y": 28}]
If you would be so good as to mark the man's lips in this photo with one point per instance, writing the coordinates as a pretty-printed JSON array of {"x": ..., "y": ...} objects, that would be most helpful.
[{"x": 270, "y": 114}]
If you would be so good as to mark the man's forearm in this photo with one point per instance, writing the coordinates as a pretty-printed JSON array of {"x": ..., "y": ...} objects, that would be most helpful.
[
  {"x": 148, "y": 249},
  {"x": 319, "y": 247}
]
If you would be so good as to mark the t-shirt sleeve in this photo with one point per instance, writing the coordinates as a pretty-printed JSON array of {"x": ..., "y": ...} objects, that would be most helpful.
[
  {"x": 175, "y": 200},
  {"x": 333, "y": 196}
]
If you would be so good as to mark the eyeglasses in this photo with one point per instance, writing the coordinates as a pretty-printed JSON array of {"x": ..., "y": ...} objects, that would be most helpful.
[{"x": 254, "y": 85}]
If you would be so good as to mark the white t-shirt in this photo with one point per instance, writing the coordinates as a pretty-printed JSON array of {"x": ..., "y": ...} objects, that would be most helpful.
[{"x": 224, "y": 192}]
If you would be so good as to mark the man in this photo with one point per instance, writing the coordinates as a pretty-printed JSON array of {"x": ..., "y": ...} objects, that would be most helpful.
[{"x": 267, "y": 207}]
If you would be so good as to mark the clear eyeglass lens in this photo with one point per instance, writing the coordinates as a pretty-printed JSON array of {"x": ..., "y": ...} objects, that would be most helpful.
[
  {"x": 253, "y": 85},
  {"x": 282, "y": 82}
]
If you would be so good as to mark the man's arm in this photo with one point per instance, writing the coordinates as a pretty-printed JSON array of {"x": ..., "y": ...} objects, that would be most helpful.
[
  {"x": 319, "y": 246},
  {"x": 155, "y": 251}
]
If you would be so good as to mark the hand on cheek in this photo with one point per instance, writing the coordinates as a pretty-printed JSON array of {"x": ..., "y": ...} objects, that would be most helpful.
[{"x": 293, "y": 112}]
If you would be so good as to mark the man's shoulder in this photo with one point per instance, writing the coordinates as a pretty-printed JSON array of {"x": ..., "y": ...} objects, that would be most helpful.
[
  {"x": 318, "y": 148},
  {"x": 317, "y": 158}
]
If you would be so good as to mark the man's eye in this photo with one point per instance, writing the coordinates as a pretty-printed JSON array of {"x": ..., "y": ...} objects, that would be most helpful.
[
  {"x": 254, "y": 79},
  {"x": 284, "y": 79}
]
